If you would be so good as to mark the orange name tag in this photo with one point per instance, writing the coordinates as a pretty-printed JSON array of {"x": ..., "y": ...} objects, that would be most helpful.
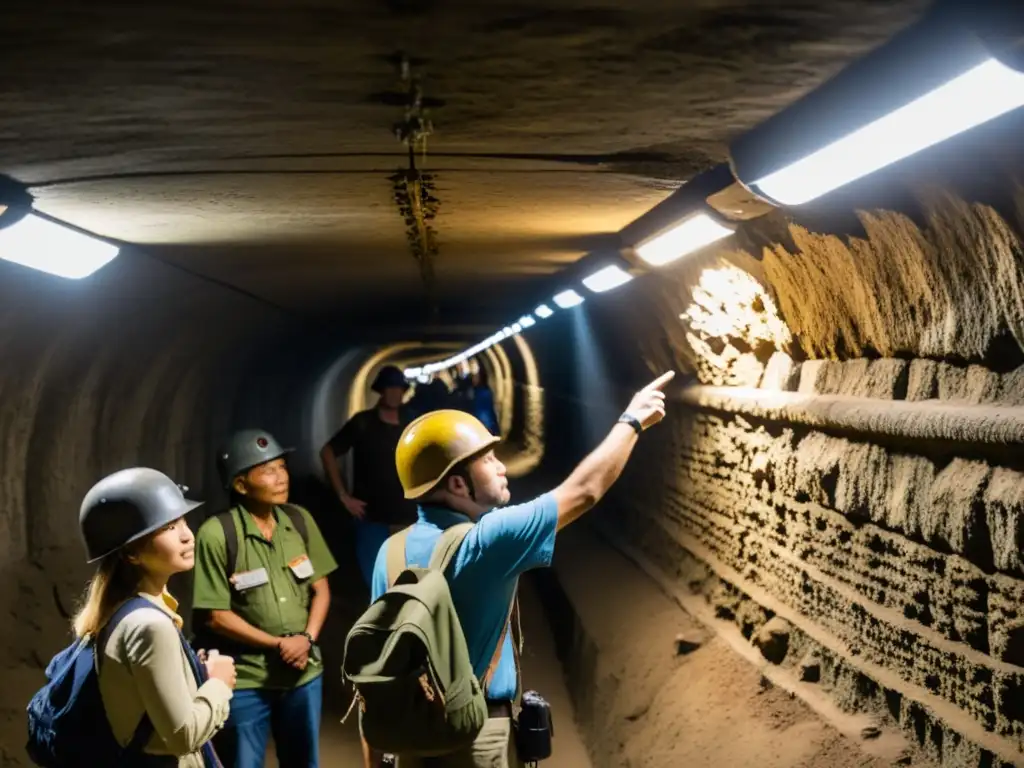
[{"x": 302, "y": 567}]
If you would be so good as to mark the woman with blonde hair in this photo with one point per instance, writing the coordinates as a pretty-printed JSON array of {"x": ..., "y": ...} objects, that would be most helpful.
[{"x": 162, "y": 703}]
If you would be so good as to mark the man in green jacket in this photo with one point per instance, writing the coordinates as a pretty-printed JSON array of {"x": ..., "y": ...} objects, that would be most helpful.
[{"x": 261, "y": 595}]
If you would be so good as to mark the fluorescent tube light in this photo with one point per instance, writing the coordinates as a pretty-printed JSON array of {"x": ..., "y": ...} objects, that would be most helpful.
[
  {"x": 527, "y": 322},
  {"x": 605, "y": 279},
  {"x": 543, "y": 311},
  {"x": 41, "y": 244},
  {"x": 981, "y": 94},
  {"x": 568, "y": 298},
  {"x": 688, "y": 236}
]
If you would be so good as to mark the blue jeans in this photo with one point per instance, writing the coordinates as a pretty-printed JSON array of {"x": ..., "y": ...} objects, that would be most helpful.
[
  {"x": 292, "y": 716},
  {"x": 370, "y": 537}
]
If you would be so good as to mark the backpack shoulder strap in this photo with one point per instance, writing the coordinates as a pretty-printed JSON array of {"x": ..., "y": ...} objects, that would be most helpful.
[
  {"x": 129, "y": 606},
  {"x": 144, "y": 730},
  {"x": 517, "y": 637},
  {"x": 227, "y": 522},
  {"x": 298, "y": 519},
  {"x": 448, "y": 545},
  {"x": 396, "y": 554}
]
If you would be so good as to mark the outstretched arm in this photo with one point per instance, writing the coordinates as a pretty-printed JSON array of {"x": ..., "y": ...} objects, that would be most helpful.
[{"x": 592, "y": 478}]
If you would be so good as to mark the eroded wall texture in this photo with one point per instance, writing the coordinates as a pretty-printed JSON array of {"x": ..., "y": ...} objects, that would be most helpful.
[{"x": 846, "y": 462}]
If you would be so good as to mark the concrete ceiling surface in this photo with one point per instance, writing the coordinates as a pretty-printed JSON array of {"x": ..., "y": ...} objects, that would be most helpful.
[{"x": 252, "y": 141}]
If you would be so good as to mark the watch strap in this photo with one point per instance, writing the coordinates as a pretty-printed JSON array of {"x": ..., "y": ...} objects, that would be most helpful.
[{"x": 633, "y": 421}]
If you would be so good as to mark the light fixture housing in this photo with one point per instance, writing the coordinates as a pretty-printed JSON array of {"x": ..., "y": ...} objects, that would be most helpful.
[
  {"x": 607, "y": 278},
  {"x": 692, "y": 233},
  {"x": 946, "y": 74},
  {"x": 38, "y": 241}
]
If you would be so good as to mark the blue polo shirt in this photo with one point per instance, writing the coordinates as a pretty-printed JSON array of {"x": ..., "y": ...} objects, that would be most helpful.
[{"x": 505, "y": 543}]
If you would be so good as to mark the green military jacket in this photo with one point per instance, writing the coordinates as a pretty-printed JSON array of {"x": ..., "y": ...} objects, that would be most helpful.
[{"x": 279, "y": 607}]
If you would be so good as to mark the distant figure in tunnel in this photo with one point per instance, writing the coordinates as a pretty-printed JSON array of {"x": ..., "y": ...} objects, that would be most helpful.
[
  {"x": 157, "y": 697},
  {"x": 375, "y": 501},
  {"x": 447, "y": 464},
  {"x": 261, "y": 593},
  {"x": 481, "y": 401}
]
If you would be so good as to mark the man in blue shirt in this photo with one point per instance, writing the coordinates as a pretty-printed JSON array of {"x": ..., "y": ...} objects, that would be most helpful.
[{"x": 446, "y": 462}]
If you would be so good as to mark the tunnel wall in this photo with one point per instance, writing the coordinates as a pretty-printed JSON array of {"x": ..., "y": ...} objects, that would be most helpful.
[
  {"x": 137, "y": 365},
  {"x": 847, "y": 456}
]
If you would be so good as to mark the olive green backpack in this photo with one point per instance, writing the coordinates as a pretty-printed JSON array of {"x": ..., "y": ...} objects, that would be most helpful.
[{"x": 408, "y": 660}]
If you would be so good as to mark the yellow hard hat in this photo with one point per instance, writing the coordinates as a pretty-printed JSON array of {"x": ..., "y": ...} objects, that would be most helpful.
[{"x": 434, "y": 443}]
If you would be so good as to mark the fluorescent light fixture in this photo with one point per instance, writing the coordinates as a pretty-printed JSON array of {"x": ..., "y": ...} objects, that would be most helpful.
[
  {"x": 605, "y": 279},
  {"x": 41, "y": 244},
  {"x": 687, "y": 236},
  {"x": 517, "y": 328},
  {"x": 568, "y": 298},
  {"x": 543, "y": 311},
  {"x": 527, "y": 322},
  {"x": 981, "y": 94}
]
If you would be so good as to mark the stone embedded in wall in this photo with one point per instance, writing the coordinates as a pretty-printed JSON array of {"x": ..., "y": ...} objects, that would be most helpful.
[
  {"x": 1004, "y": 503},
  {"x": 908, "y": 501},
  {"x": 922, "y": 381},
  {"x": 957, "y": 517},
  {"x": 972, "y": 384},
  {"x": 863, "y": 482},
  {"x": 812, "y": 377},
  {"x": 818, "y": 458},
  {"x": 887, "y": 379},
  {"x": 1011, "y": 387},
  {"x": 780, "y": 374},
  {"x": 884, "y": 379}
]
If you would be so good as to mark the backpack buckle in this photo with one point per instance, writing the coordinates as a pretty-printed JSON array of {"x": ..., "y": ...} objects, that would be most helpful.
[{"x": 428, "y": 689}]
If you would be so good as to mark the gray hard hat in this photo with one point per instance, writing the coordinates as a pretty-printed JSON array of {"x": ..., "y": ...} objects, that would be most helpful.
[
  {"x": 128, "y": 505},
  {"x": 246, "y": 449}
]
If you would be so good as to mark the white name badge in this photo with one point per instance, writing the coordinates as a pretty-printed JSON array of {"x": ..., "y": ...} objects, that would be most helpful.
[
  {"x": 249, "y": 579},
  {"x": 302, "y": 567}
]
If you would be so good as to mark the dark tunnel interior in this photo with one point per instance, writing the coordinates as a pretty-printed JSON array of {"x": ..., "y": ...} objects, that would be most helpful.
[{"x": 816, "y": 559}]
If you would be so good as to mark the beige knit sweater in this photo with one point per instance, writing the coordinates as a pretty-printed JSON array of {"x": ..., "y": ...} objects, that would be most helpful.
[{"x": 145, "y": 670}]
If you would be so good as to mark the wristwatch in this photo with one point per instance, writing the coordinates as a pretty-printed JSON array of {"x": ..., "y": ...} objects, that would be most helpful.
[{"x": 633, "y": 421}]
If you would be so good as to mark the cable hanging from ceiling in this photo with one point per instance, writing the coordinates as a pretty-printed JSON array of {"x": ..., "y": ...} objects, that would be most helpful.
[{"x": 415, "y": 193}]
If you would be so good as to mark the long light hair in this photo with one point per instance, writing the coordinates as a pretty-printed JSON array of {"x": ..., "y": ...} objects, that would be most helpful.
[{"x": 116, "y": 580}]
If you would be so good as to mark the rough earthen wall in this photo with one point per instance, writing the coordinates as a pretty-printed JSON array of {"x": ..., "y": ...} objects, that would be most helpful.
[{"x": 849, "y": 459}]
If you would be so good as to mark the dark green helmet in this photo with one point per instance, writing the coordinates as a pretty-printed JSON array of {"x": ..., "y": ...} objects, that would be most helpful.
[
  {"x": 127, "y": 505},
  {"x": 246, "y": 449}
]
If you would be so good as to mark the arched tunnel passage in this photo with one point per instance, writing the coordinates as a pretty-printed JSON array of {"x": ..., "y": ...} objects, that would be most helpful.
[{"x": 813, "y": 561}]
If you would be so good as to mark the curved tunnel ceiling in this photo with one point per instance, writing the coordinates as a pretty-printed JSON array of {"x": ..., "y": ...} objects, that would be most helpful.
[{"x": 254, "y": 144}]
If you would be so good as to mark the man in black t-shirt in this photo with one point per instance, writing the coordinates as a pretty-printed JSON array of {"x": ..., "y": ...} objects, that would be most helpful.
[{"x": 376, "y": 500}]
